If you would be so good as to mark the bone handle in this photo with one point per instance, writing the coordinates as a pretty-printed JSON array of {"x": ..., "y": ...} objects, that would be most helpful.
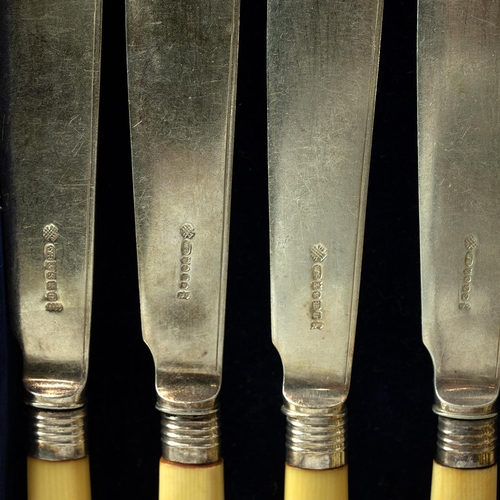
[
  {"x": 191, "y": 482},
  {"x": 63, "y": 480},
  {"x": 306, "y": 484}
]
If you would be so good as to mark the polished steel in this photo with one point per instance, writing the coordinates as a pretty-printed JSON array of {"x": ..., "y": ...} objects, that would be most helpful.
[
  {"x": 322, "y": 72},
  {"x": 459, "y": 184},
  {"x": 48, "y": 114},
  {"x": 182, "y": 58}
]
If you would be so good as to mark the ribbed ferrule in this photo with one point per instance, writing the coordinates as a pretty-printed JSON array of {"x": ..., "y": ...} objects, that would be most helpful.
[
  {"x": 316, "y": 438},
  {"x": 191, "y": 438},
  {"x": 466, "y": 444},
  {"x": 57, "y": 434}
]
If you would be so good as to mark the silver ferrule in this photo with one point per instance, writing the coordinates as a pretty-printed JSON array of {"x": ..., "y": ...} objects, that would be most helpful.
[
  {"x": 190, "y": 437},
  {"x": 57, "y": 435},
  {"x": 316, "y": 437},
  {"x": 466, "y": 444}
]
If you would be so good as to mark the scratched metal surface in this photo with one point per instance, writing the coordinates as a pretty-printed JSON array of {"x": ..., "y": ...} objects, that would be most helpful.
[
  {"x": 322, "y": 70},
  {"x": 391, "y": 430},
  {"x": 181, "y": 74},
  {"x": 459, "y": 182},
  {"x": 49, "y": 127}
]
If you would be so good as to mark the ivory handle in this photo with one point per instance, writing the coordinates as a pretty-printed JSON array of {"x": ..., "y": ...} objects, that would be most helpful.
[
  {"x": 64, "y": 480},
  {"x": 463, "y": 484},
  {"x": 191, "y": 482},
  {"x": 306, "y": 484}
]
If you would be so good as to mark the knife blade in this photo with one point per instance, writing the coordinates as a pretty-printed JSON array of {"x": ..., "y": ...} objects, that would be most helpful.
[
  {"x": 49, "y": 88},
  {"x": 459, "y": 182},
  {"x": 322, "y": 71},
  {"x": 182, "y": 75}
]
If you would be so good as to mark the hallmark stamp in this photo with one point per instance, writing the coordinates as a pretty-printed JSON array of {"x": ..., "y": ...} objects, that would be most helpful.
[
  {"x": 470, "y": 243},
  {"x": 50, "y": 235},
  {"x": 318, "y": 254},
  {"x": 188, "y": 233}
]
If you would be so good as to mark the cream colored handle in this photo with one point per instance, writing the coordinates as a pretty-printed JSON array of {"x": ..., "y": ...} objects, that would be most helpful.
[
  {"x": 463, "y": 484},
  {"x": 66, "y": 480},
  {"x": 191, "y": 482},
  {"x": 306, "y": 484}
]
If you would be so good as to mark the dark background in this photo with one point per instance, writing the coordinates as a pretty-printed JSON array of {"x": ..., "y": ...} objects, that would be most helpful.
[{"x": 392, "y": 428}]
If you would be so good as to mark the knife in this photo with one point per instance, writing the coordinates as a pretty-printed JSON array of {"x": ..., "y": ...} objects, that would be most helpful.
[
  {"x": 49, "y": 93},
  {"x": 182, "y": 57},
  {"x": 322, "y": 70},
  {"x": 459, "y": 186}
]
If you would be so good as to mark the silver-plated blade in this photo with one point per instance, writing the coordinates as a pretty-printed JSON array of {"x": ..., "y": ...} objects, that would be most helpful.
[
  {"x": 459, "y": 182},
  {"x": 49, "y": 87},
  {"x": 322, "y": 70},
  {"x": 181, "y": 70}
]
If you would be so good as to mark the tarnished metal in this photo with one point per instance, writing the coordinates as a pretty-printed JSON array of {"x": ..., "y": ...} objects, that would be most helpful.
[
  {"x": 57, "y": 435},
  {"x": 466, "y": 444},
  {"x": 181, "y": 71},
  {"x": 191, "y": 439},
  {"x": 316, "y": 438},
  {"x": 322, "y": 71},
  {"x": 459, "y": 183},
  {"x": 48, "y": 119}
]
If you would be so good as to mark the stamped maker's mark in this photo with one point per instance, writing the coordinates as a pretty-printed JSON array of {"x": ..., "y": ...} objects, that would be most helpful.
[
  {"x": 50, "y": 235},
  {"x": 318, "y": 255},
  {"x": 471, "y": 243},
  {"x": 187, "y": 232}
]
